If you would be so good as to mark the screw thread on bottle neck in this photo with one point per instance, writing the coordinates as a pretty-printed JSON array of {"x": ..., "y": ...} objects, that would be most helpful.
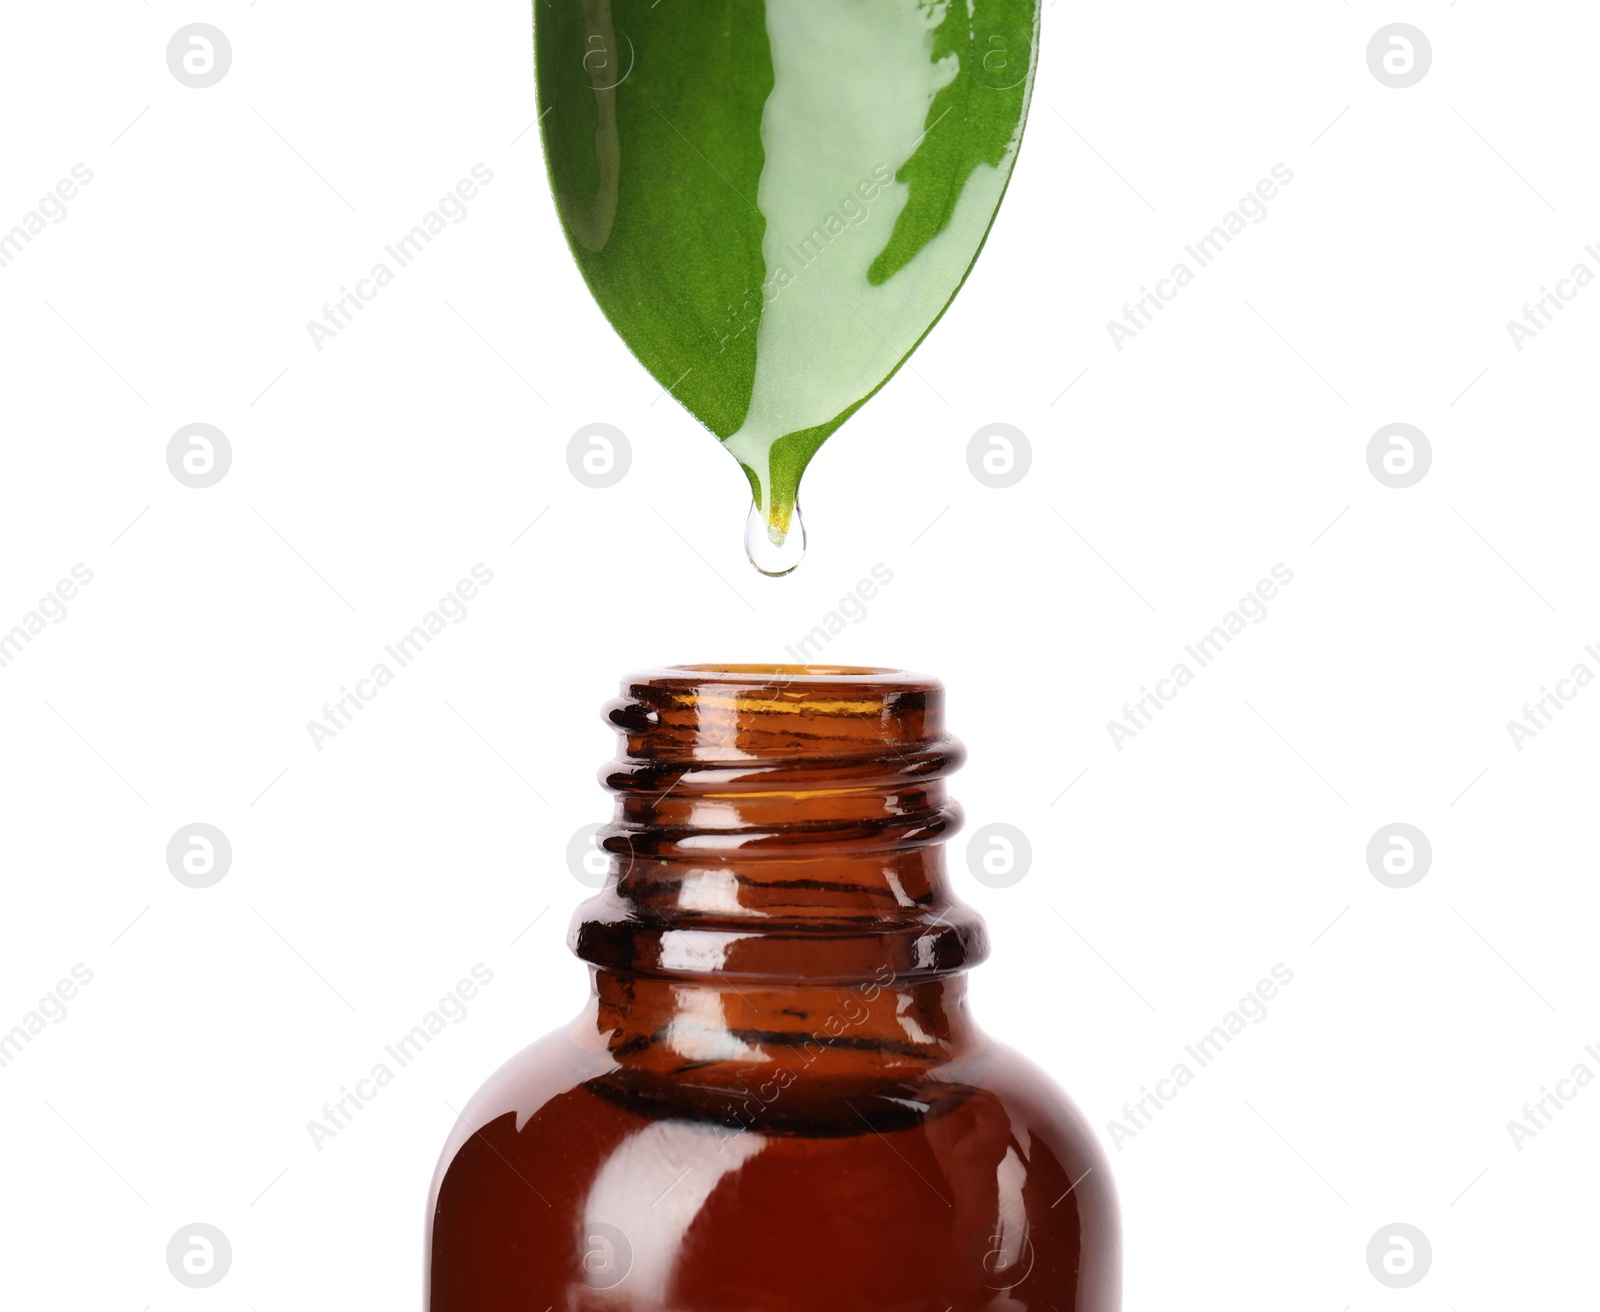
[{"x": 780, "y": 823}]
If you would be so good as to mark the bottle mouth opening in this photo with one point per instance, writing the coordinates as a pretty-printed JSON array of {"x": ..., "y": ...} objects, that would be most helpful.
[
  {"x": 744, "y": 714},
  {"x": 721, "y": 754},
  {"x": 721, "y": 672}
]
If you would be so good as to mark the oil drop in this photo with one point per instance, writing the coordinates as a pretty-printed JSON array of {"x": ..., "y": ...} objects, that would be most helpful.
[{"x": 771, "y": 550}]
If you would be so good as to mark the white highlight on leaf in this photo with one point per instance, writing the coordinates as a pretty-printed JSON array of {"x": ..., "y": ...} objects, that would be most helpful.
[{"x": 853, "y": 82}]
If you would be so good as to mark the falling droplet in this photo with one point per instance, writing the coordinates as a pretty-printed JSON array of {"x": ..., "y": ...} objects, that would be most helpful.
[{"x": 771, "y": 550}]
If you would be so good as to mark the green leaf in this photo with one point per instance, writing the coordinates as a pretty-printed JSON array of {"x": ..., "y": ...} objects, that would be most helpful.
[
  {"x": 971, "y": 122},
  {"x": 773, "y": 201}
]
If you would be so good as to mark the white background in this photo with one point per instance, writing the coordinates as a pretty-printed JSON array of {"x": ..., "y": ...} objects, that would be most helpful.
[{"x": 367, "y": 478}]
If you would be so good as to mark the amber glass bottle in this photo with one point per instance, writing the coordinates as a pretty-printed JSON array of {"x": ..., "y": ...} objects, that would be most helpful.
[{"x": 776, "y": 1100}]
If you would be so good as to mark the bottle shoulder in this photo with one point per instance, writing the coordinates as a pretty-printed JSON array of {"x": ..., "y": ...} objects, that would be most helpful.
[
  {"x": 535, "y": 1084},
  {"x": 561, "y": 1173},
  {"x": 520, "y": 1089}
]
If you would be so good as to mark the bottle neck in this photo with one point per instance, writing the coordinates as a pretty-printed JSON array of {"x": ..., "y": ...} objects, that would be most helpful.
[
  {"x": 885, "y": 1027},
  {"x": 777, "y": 870}
]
